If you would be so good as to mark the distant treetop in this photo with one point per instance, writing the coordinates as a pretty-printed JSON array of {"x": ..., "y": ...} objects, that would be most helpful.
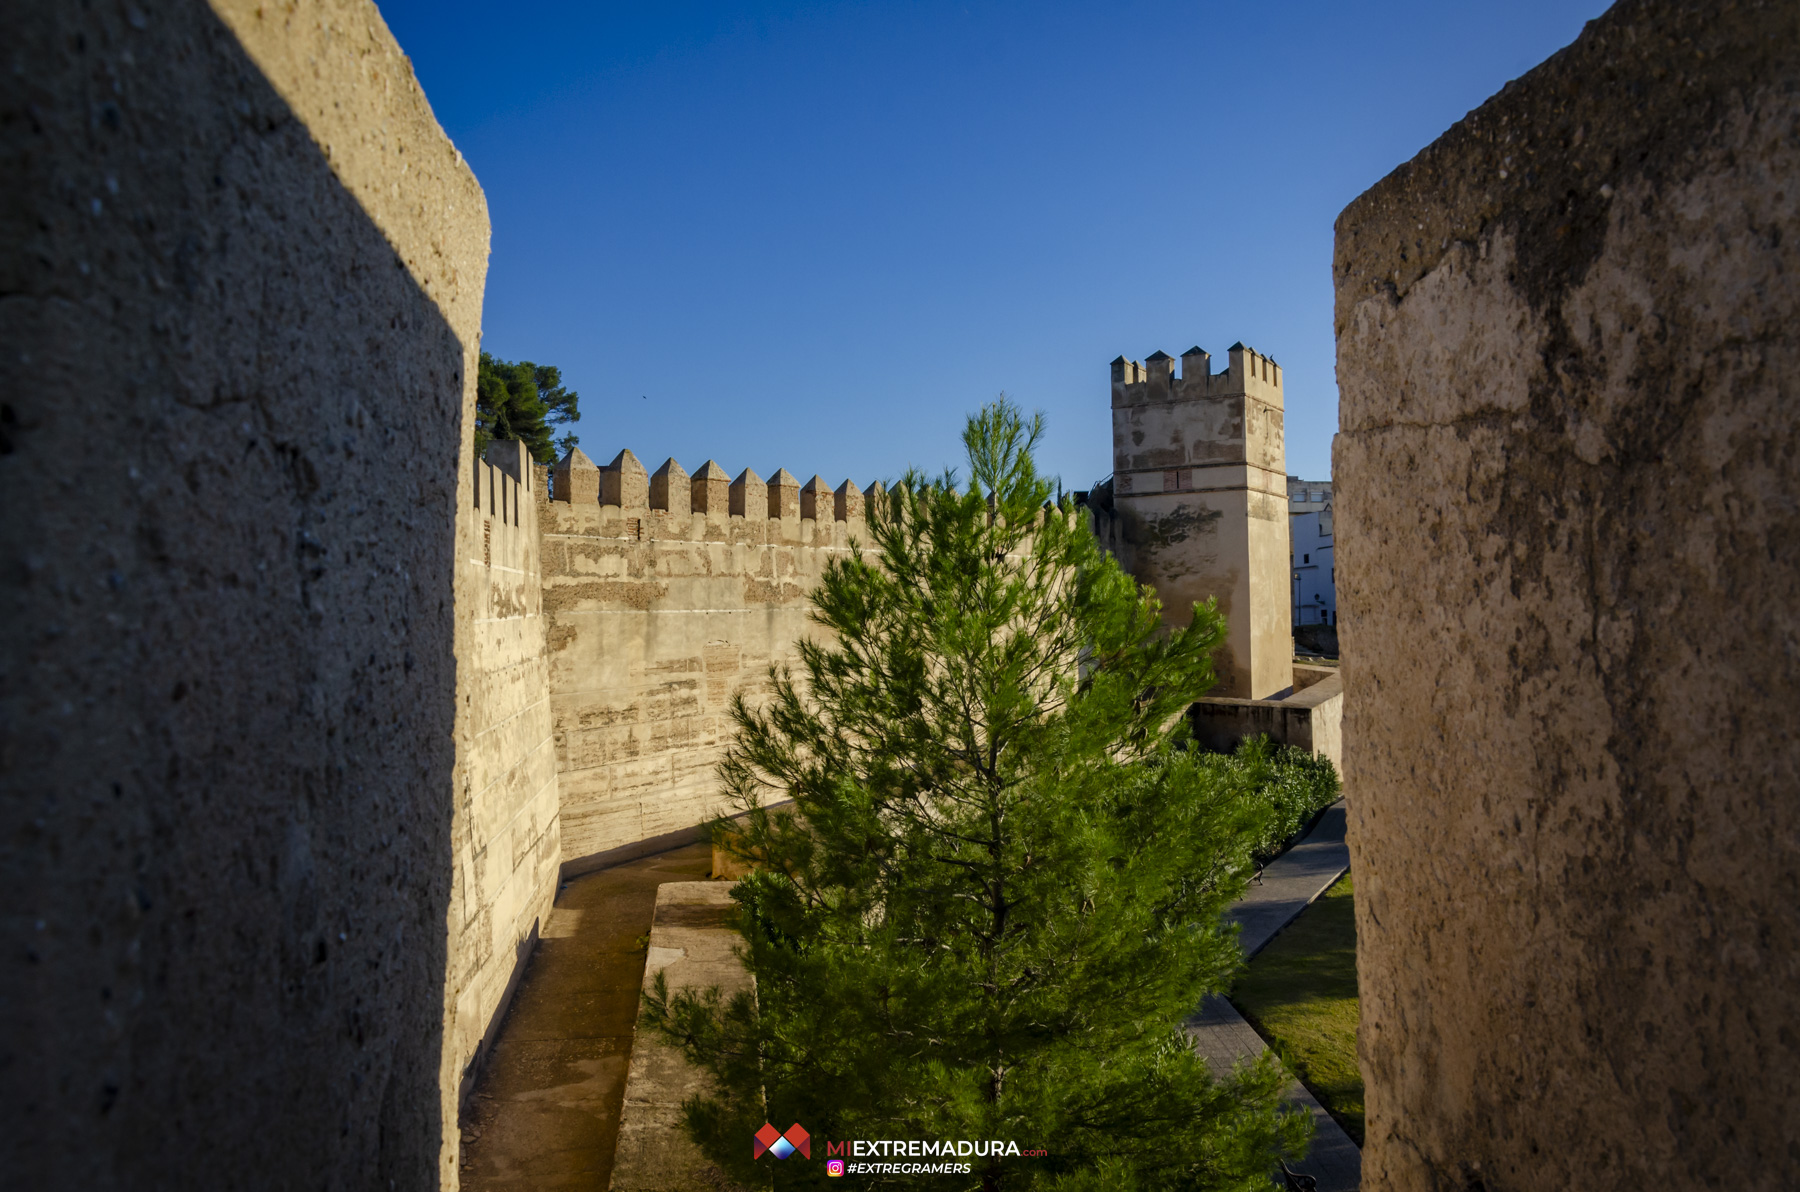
[{"x": 519, "y": 400}]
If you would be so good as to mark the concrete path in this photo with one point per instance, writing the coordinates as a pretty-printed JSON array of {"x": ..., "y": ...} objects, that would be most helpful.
[
  {"x": 1289, "y": 885},
  {"x": 1291, "y": 881},
  {"x": 546, "y": 1111}
]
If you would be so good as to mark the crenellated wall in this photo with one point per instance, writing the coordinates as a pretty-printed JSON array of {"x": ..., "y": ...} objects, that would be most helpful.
[
  {"x": 504, "y": 835},
  {"x": 1197, "y": 503},
  {"x": 664, "y": 596}
]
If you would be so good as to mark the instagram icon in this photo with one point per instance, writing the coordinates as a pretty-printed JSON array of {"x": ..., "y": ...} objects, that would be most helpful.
[{"x": 834, "y": 1167}]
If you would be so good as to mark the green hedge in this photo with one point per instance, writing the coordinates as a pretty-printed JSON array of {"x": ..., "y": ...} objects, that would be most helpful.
[{"x": 1296, "y": 784}]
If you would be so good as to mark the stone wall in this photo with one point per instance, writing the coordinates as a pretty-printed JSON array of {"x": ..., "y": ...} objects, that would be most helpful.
[
  {"x": 662, "y": 604},
  {"x": 1310, "y": 718},
  {"x": 242, "y": 273},
  {"x": 1570, "y": 413},
  {"x": 1197, "y": 504},
  {"x": 505, "y": 835}
]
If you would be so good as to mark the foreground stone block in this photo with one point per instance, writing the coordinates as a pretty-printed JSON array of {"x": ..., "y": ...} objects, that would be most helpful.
[
  {"x": 693, "y": 948},
  {"x": 243, "y": 273},
  {"x": 1568, "y": 354}
]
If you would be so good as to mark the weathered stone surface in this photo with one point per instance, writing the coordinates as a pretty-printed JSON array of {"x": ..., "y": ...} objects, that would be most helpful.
[
  {"x": 671, "y": 490},
  {"x": 576, "y": 479},
  {"x": 816, "y": 500},
  {"x": 1566, "y": 493},
  {"x": 692, "y": 948},
  {"x": 784, "y": 494},
  {"x": 711, "y": 488},
  {"x": 749, "y": 495},
  {"x": 847, "y": 502},
  {"x": 624, "y": 482},
  {"x": 242, "y": 270},
  {"x": 1197, "y": 508},
  {"x": 655, "y": 622}
]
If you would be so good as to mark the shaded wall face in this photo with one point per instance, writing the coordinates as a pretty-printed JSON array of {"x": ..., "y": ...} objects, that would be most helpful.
[
  {"x": 1190, "y": 547},
  {"x": 1566, "y": 480},
  {"x": 228, "y": 454}
]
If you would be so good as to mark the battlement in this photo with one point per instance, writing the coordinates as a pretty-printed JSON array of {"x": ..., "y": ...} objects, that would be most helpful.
[
  {"x": 709, "y": 493},
  {"x": 500, "y": 480},
  {"x": 1248, "y": 373}
]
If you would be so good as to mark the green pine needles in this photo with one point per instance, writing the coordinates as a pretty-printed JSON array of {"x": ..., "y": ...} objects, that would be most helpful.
[
  {"x": 995, "y": 896},
  {"x": 519, "y": 400}
]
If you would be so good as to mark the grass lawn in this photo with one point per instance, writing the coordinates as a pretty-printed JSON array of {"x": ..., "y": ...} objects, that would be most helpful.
[{"x": 1300, "y": 994}]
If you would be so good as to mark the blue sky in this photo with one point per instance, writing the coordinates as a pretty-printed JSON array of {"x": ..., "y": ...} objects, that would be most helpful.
[{"x": 816, "y": 236}]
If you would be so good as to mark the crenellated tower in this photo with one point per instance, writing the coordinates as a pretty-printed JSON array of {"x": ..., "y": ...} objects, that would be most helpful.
[{"x": 1199, "y": 502}]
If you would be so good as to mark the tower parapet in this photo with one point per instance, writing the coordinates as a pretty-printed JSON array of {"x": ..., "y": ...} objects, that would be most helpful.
[{"x": 1247, "y": 373}]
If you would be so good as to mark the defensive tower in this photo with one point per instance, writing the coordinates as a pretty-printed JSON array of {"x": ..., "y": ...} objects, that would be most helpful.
[{"x": 1199, "y": 502}]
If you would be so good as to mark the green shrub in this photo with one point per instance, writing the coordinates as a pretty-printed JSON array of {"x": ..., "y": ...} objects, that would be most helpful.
[{"x": 1294, "y": 783}]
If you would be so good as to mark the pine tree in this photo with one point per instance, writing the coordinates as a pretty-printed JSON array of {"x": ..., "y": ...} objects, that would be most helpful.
[
  {"x": 995, "y": 895},
  {"x": 523, "y": 401}
]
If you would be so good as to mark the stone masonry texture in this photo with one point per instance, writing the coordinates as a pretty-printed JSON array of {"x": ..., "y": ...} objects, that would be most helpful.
[
  {"x": 655, "y": 619},
  {"x": 506, "y": 830},
  {"x": 1196, "y": 507},
  {"x": 242, "y": 287},
  {"x": 1566, "y": 479}
]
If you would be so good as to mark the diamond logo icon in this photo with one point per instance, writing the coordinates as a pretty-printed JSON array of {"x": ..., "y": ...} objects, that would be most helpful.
[{"x": 769, "y": 1140}]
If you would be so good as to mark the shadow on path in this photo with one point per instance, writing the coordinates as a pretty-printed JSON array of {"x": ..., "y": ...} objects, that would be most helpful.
[{"x": 546, "y": 1111}]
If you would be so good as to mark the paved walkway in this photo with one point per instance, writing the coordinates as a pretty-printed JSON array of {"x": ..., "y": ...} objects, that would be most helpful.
[
  {"x": 1288, "y": 886},
  {"x": 1291, "y": 881},
  {"x": 546, "y": 1111},
  {"x": 691, "y": 948}
]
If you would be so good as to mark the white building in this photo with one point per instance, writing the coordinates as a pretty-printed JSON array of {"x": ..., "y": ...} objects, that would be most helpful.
[{"x": 1309, "y": 533}]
